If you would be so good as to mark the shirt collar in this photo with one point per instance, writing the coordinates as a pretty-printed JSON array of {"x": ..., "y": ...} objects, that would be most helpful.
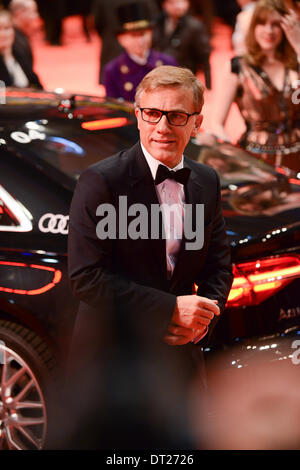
[
  {"x": 140, "y": 60},
  {"x": 249, "y": 6},
  {"x": 153, "y": 163}
]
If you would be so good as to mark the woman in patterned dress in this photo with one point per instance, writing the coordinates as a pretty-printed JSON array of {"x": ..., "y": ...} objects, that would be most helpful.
[{"x": 265, "y": 85}]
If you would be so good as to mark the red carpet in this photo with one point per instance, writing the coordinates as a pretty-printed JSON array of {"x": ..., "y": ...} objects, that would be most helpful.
[{"x": 74, "y": 66}]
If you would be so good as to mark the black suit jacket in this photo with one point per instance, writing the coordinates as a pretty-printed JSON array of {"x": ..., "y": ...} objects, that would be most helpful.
[
  {"x": 131, "y": 386},
  {"x": 21, "y": 56},
  {"x": 128, "y": 278},
  {"x": 22, "y": 43}
]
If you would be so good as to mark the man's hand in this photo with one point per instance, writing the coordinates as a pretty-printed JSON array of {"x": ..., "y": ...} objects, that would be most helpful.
[
  {"x": 191, "y": 316},
  {"x": 177, "y": 335},
  {"x": 192, "y": 311}
]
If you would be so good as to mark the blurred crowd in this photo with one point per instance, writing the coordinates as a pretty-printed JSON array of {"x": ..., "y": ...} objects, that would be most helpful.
[
  {"x": 178, "y": 28},
  {"x": 138, "y": 35}
]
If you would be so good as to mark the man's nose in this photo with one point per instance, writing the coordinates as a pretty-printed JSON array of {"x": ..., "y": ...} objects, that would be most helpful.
[{"x": 163, "y": 125}]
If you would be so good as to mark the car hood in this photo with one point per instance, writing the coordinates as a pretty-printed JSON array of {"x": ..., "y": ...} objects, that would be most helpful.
[{"x": 260, "y": 203}]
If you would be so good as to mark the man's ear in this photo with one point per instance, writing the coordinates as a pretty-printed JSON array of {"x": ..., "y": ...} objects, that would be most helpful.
[
  {"x": 137, "y": 115},
  {"x": 197, "y": 125}
]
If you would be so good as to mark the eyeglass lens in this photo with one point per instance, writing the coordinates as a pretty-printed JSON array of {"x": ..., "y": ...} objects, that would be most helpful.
[{"x": 175, "y": 118}]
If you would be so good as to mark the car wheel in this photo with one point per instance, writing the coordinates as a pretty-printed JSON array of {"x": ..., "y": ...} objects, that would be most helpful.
[{"x": 25, "y": 363}]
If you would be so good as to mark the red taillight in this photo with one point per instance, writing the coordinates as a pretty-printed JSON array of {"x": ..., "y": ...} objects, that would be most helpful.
[
  {"x": 57, "y": 275},
  {"x": 105, "y": 124},
  {"x": 255, "y": 281}
]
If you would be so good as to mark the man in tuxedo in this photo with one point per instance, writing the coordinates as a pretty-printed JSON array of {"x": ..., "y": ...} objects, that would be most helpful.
[{"x": 140, "y": 329}]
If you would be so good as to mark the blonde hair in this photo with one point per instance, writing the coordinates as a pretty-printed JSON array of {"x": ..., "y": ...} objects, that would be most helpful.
[
  {"x": 284, "y": 52},
  {"x": 171, "y": 76}
]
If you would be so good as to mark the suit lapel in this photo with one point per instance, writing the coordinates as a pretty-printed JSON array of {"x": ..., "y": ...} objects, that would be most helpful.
[{"x": 193, "y": 189}]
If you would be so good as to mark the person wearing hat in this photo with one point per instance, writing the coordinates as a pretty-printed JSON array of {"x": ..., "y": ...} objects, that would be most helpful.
[
  {"x": 122, "y": 74},
  {"x": 106, "y": 23}
]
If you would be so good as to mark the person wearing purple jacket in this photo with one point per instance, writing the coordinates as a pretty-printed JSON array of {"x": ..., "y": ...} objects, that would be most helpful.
[{"x": 122, "y": 74}]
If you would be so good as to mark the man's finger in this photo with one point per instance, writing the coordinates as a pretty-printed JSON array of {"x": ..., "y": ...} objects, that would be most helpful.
[
  {"x": 203, "y": 321},
  {"x": 179, "y": 330},
  {"x": 174, "y": 340},
  {"x": 209, "y": 304},
  {"x": 203, "y": 312}
]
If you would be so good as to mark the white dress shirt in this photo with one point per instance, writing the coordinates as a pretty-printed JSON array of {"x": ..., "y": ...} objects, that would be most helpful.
[
  {"x": 15, "y": 70},
  {"x": 169, "y": 193},
  {"x": 140, "y": 60}
]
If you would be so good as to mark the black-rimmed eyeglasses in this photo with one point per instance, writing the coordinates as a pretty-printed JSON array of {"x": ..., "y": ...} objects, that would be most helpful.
[{"x": 175, "y": 118}]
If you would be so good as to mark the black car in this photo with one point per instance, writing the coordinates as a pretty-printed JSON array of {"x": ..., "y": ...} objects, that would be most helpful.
[{"x": 46, "y": 141}]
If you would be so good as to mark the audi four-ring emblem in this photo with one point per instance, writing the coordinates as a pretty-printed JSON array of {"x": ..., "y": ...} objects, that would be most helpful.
[{"x": 54, "y": 223}]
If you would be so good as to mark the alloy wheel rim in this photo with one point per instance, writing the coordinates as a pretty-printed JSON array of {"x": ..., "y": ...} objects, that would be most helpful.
[{"x": 23, "y": 418}]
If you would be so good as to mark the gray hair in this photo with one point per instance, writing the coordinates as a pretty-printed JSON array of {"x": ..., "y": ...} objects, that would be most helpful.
[
  {"x": 19, "y": 5},
  {"x": 171, "y": 76}
]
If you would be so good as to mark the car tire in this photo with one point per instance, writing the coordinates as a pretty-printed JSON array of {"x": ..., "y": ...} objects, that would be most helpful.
[{"x": 26, "y": 364}]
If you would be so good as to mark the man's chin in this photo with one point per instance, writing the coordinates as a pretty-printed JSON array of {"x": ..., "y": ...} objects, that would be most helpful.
[{"x": 168, "y": 158}]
